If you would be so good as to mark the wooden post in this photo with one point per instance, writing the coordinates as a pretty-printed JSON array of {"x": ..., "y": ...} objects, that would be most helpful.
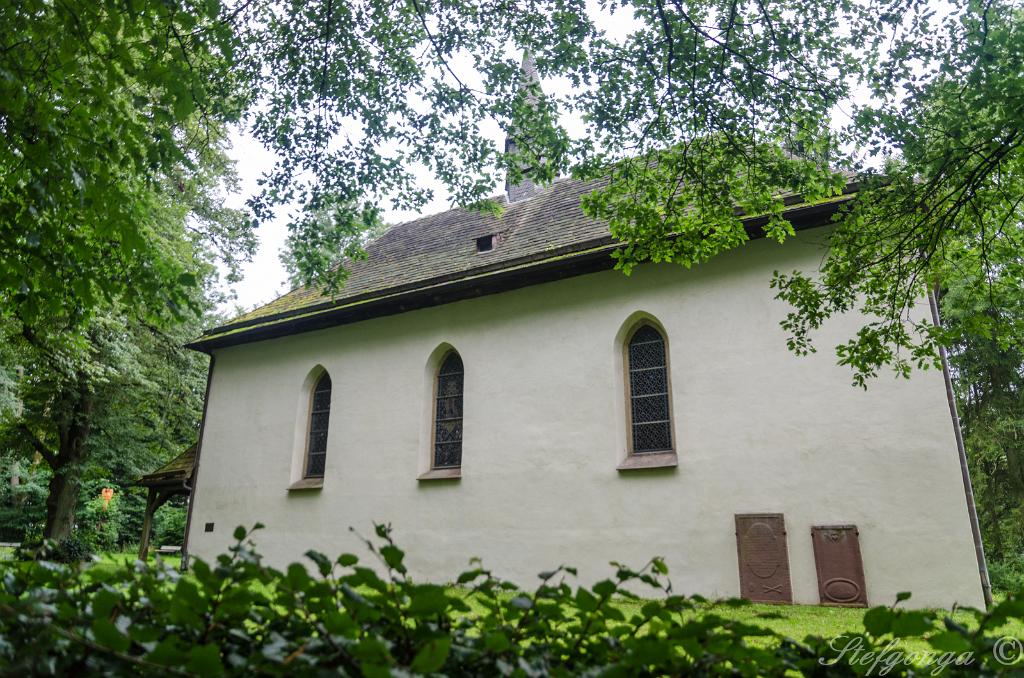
[{"x": 147, "y": 522}]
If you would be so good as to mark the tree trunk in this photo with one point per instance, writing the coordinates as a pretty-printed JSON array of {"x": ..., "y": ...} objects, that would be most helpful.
[
  {"x": 61, "y": 503},
  {"x": 73, "y": 433},
  {"x": 17, "y": 498}
]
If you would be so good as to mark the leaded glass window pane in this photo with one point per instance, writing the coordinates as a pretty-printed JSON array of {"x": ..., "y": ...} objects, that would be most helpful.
[
  {"x": 650, "y": 408},
  {"x": 651, "y": 437},
  {"x": 315, "y": 468},
  {"x": 319, "y": 416},
  {"x": 318, "y": 421},
  {"x": 447, "y": 455},
  {"x": 448, "y": 413},
  {"x": 648, "y": 392},
  {"x": 449, "y": 407}
]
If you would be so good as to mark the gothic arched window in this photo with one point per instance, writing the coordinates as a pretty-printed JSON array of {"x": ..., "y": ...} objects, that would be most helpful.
[
  {"x": 650, "y": 413},
  {"x": 448, "y": 413},
  {"x": 319, "y": 415}
]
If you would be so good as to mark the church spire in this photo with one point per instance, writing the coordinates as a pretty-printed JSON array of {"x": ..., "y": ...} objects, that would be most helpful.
[{"x": 529, "y": 78}]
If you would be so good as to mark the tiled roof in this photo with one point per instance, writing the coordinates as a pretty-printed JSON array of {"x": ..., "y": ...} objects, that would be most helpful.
[
  {"x": 440, "y": 249},
  {"x": 445, "y": 245}
]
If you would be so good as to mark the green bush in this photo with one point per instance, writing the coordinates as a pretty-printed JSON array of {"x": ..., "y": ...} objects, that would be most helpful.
[
  {"x": 102, "y": 522},
  {"x": 72, "y": 549},
  {"x": 342, "y": 617},
  {"x": 1007, "y": 574},
  {"x": 169, "y": 525},
  {"x": 22, "y": 506},
  {"x": 112, "y": 527}
]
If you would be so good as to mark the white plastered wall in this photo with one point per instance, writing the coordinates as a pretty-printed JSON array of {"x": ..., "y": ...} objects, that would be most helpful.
[{"x": 758, "y": 430}]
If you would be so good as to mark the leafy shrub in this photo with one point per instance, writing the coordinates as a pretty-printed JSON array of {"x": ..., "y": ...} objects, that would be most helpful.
[
  {"x": 110, "y": 526},
  {"x": 169, "y": 525},
  {"x": 72, "y": 549},
  {"x": 239, "y": 617},
  {"x": 102, "y": 521},
  {"x": 1008, "y": 574},
  {"x": 22, "y": 506},
  {"x": 33, "y": 534}
]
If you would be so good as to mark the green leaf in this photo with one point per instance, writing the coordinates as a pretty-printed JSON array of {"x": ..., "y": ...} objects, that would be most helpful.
[
  {"x": 186, "y": 603},
  {"x": 371, "y": 650},
  {"x": 183, "y": 106},
  {"x": 322, "y": 562},
  {"x": 468, "y": 576},
  {"x": 497, "y": 642},
  {"x": 427, "y": 599},
  {"x": 878, "y": 620},
  {"x": 949, "y": 641},
  {"x": 431, "y": 657},
  {"x": 168, "y": 652},
  {"x": 910, "y": 624},
  {"x": 298, "y": 577},
  {"x": 393, "y": 556},
  {"x": 585, "y": 600},
  {"x": 339, "y": 623},
  {"x": 142, "y": 634},
  {"x": 106, "y": 634},
  {"x": 103, "y": 602},
  {"x": 205, "y": 661}
]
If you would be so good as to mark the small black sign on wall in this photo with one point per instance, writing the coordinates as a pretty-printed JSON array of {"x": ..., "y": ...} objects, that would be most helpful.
[{"x": 209, "y": 527}]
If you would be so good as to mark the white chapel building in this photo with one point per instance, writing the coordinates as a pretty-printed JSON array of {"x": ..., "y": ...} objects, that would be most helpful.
[{"x": 491, "y": 387}]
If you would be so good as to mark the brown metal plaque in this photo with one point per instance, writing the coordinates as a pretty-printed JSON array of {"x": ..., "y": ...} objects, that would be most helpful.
[
  {"x": 840, "y": 569},
  {"x": 763, "y": 557}
]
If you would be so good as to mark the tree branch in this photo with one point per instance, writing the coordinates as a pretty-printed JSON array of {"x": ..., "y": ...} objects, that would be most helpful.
[{"x": 38, "y": 445}]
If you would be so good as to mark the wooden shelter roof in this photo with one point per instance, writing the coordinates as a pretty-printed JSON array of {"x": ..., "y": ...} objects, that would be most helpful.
[{"x": 177, "y": 471}]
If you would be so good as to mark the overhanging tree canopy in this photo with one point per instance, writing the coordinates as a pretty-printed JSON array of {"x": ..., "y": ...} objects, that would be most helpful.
[{"x": 693, "y": 108}]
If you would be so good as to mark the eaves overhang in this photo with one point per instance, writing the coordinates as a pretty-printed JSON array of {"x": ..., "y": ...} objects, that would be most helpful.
[{"x": 577, "y": 259}]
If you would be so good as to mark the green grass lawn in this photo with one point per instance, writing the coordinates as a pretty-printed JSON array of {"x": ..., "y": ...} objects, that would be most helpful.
[
  {"x": 793, "y": 621},
  {"x": 800, "y": 621},
  {"x": 112, "y": 559}
]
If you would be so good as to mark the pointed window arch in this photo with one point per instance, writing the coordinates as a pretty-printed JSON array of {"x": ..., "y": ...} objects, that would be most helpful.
[
  {"x": 319, "y": 416},
  {"x": 447, "y": 447},
  {"x": 649, "y": 403}
]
